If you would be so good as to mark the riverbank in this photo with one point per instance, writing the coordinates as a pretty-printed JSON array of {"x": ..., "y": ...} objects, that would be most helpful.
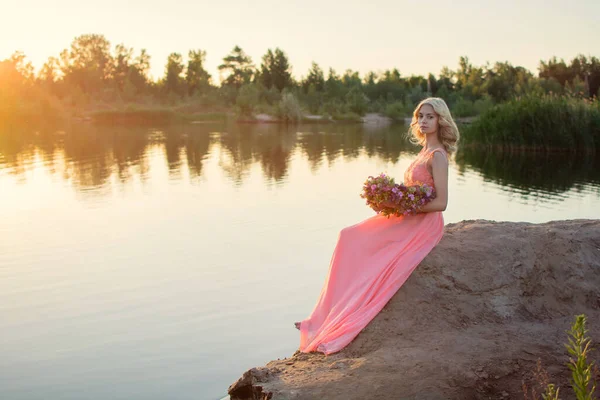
[
  {"x": 470, "y": 323},
  {"x": 171, "y": 116},
  {"x": 197, "y": 113}
]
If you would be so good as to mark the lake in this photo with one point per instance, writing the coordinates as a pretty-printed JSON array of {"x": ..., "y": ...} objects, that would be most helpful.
[{"x": 161, "y": 263}]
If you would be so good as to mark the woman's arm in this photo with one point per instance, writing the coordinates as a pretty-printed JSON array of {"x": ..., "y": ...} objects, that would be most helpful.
[{"x": 439, "y": 171}]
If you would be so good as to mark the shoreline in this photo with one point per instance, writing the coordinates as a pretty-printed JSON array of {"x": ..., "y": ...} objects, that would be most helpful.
[{"x": 262, "y": 118}]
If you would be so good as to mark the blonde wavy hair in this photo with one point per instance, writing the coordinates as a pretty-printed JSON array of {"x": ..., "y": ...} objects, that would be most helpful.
[{"x": 448, "y": 133}]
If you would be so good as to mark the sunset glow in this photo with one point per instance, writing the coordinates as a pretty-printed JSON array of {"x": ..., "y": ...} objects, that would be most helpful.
[{"x": 415, "y": 37}]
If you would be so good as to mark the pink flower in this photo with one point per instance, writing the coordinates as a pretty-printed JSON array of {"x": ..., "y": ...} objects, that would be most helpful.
[{"x": 383, "y": 188}]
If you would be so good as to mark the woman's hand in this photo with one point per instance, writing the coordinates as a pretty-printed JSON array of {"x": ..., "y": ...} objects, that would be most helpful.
[
  {"x": 378, "y": 207},
  {"x": 387, "y": 204},
  {"x": 439, "y": 166},
  {"x": 375, "y": 207}
]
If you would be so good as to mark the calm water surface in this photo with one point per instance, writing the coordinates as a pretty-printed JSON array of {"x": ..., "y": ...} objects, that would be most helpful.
[{"x": 161, "y": 263}]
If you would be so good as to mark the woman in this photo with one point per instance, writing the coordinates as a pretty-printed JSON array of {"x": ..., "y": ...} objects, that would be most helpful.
[{"x": 373, "y": 258}]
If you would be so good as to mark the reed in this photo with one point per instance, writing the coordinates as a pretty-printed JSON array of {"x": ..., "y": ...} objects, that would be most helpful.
[
  {"x": 136, "y": 116},
  {"x": 582, "y": 380},
  {"x": 538, "y": 122}
]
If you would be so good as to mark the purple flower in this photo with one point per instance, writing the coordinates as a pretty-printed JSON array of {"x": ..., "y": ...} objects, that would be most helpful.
[{"x": 409, "y": 199}]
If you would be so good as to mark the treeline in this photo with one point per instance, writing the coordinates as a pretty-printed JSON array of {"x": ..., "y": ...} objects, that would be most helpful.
[{"x": 92, "y": 75}]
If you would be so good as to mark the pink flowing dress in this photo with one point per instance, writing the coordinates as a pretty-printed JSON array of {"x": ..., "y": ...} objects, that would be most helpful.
[{"x": 371, "y": 261}]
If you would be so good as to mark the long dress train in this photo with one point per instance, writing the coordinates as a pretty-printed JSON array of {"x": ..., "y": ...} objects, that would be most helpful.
[{"x": 371, "y": 261}]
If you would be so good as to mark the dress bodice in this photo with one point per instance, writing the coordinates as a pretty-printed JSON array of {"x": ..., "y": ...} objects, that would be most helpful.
[{"x": 417, "y": 172}]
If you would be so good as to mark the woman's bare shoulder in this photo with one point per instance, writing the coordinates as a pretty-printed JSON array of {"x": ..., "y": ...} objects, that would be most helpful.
[{"x": 439, "y": 156}]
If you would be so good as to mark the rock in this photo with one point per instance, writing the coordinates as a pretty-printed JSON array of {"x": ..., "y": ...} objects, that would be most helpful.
[
  {"x": 316, "y": 118},
  {"x": 246, "y": 387},
  {"x": 464, "y": 315},
  {"x": 265, "y": 118},
  {"x": 376, "y": 119}
]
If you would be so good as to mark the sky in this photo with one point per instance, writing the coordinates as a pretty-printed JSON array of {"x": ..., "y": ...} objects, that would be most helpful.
[{"x": 416, "y": 37}]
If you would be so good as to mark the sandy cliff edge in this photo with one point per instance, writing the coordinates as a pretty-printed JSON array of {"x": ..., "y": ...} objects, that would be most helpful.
[{"x": 470, "y": 323}]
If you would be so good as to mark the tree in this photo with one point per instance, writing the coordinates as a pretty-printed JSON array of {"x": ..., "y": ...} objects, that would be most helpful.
[
  {"x": 239, "y": 67},
  {"x": 391, "y": 86},
  {"x": 247, "y": 99},
  {"x": 469, "y": 79},
  {"x": 333, "y": 85},
  {"x": 49, "y": 74},
  {"x": 173, "y": 81},
  {"x": 370, "y": 86},
  {"x": 594, "y": 76},
  {"x": 88, "y": 64},
  {"x": 504, "y": 81},
  {"x": 139, "y": 74},
  {"x": 588, "y": 71},
  {"x": 49, "y": 71},
  {"x": 196, "y": 77},
  {"x": 447, "y": 78},
  {"x": 16, "y": 83},
  {"x": 431, "y": 84},
  {"x": 351, "y": 79},
  {"x": 315, "y": 79},
  {"x": 15, "y": 72},
  {"x": 464, "y": 71},
  {"x": 417, "y": 81},
  {"x": 122, "y": 65},
  {"x": 356, "y": 100},
  {"x": 21, "y": 68},
  {"x": 555, "y": 69},
  {"x": 276, "y": 70}
]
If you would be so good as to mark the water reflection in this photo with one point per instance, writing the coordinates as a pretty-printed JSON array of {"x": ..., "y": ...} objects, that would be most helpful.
[
  {"x": 533, "y": 173},
  {"x": 92, "y": 154},
  {"x": 89, "y": 157}
]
